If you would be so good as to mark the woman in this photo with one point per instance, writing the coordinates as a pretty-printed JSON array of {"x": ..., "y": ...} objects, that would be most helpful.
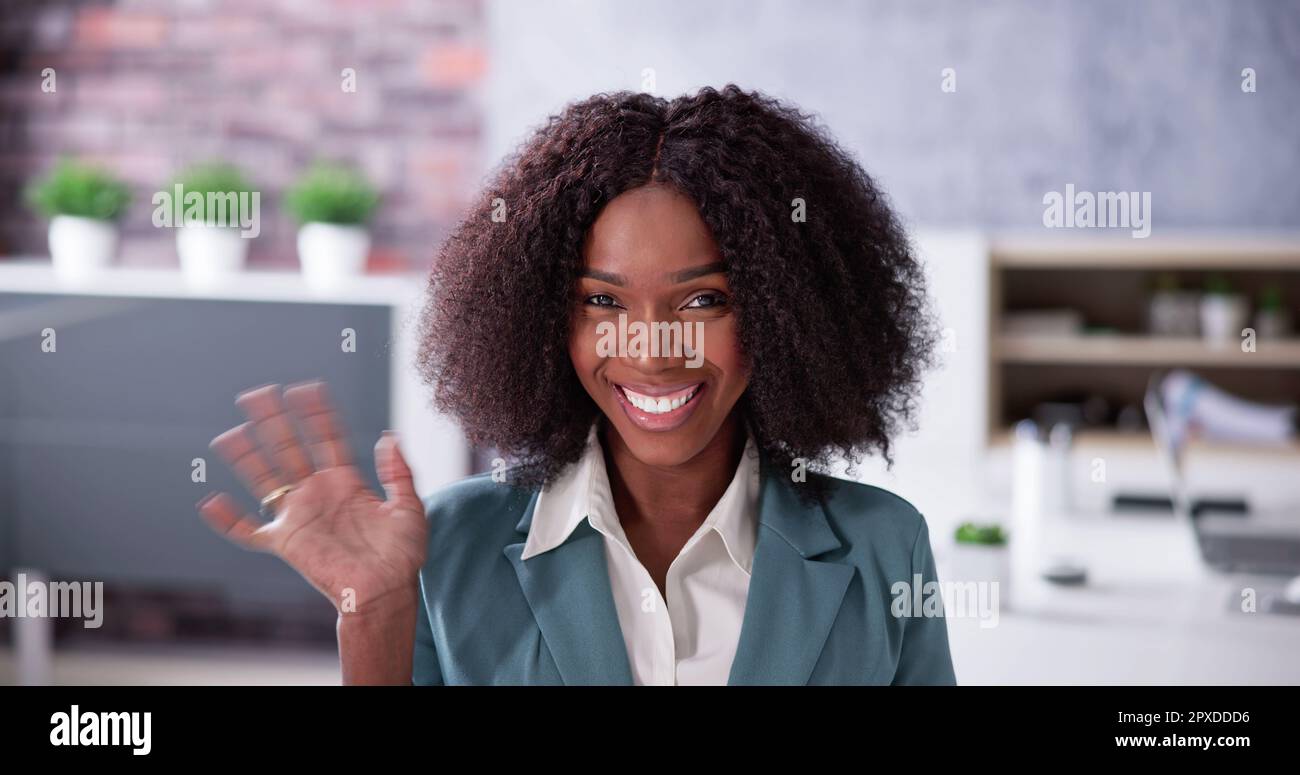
[{"x": 662, "y": 524}]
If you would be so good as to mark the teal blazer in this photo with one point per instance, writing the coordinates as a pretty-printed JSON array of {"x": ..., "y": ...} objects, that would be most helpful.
[{"x": 818, "y": 611}]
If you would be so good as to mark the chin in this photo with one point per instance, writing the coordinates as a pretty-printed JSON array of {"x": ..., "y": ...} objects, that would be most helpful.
[
  {"x": 662, "y": 453},
  {"x": 664, "y": 449}
]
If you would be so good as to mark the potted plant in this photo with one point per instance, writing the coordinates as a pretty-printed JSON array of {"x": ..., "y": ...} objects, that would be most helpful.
[
  {"x": 1172, "y": 311},
  {"x": 1272, "y": 319},
  {"x": 332, "y": 203},
  {"x": 215, "y": 201},
  {"x": 1223, "y": 312},
  {"x": 980, "y": 554},
  {"x": 83, "y": 204}
]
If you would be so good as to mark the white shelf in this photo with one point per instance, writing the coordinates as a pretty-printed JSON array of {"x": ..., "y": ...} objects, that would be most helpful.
[
  {"x": 1141, "y": 441},
  {"x": 1183, "y": 251},
  {"x": 1120, "y": 350},
  {"x": 37, "y": 277}
]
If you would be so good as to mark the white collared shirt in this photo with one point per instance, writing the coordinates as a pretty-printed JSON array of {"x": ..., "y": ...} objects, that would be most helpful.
[{"x": 691, "y": 638}]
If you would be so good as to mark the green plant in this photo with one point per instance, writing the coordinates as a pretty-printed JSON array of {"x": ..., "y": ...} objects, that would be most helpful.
[
  {"x": 223, "y": 192},
  {"x": 1165, "y": 282},
  {"x": 74, "y": 188},
  {"x": 986, "y": 535},
  {"x": 1217, "y": 285},
  {"x": 330, "y": 193},
  {"x": 1270, "y": 299}
]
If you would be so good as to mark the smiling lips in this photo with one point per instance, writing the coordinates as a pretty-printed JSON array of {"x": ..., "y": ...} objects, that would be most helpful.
[{"x": 658, "y": 408}]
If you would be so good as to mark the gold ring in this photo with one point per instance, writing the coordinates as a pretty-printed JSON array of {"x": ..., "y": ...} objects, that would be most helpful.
[{"x": 272, "y": 498}]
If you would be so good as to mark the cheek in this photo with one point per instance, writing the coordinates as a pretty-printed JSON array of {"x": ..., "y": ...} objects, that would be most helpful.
[
  {"x": 582, "y": 348},
  {"x": 722, "y": 349}
]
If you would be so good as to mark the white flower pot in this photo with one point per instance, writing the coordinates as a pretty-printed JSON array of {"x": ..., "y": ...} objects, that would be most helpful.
[
  {"x": 210, "y": 255},
  {"x": 332, "y": 254},
  {"x": 81, "y": 247},
  {"x": 984, "y": 564},
  {"x": 1273, "y": 324},
  {"x": 1223, "y": 316}
]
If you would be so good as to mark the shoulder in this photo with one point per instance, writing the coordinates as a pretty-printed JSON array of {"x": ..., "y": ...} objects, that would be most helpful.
[
  {"x": 868, "y": 517},
  {"x": 475, "y": 511},
  {"x": 471, "y": 522},
  {"x": 473, "y": 493}
]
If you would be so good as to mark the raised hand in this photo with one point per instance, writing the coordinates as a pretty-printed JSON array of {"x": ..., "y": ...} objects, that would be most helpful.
[{"x": 361, "y": 551}]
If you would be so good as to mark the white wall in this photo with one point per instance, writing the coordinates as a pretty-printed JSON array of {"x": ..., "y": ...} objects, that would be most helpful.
[
  {"x": 940, "y": 467},
  {"x": 1110, "y": 94}
]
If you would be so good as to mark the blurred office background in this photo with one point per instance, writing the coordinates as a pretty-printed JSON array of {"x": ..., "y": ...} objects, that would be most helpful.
[{"x": 967, "y": 114}]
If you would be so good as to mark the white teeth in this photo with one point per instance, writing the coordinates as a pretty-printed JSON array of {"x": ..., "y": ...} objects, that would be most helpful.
[{"x": 651, "y": 405}]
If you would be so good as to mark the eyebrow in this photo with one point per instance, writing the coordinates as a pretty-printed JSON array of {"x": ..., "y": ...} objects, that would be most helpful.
[
  {"x": 717, "y": 267},
  {"x": 703, "y": 270}
]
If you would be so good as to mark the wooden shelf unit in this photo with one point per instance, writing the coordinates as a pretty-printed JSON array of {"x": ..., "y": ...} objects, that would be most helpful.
[
  {"x": 1106, "y": 279},
  {"x": 1159, "y": 351},
  {"x": 1227, "y": 252}
]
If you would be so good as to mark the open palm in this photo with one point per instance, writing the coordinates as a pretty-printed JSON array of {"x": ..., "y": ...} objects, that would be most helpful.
[{"x": 356, "y": 548}]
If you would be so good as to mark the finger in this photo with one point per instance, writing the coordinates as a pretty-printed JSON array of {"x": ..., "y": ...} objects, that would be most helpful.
[
  {"x": 394, "y": 473},
  {"x": 274, "y": 429},
  {"x": 240, "y": 449},
  {"x": 319, "y": 422},
  {"x": 225, "y": 517}
]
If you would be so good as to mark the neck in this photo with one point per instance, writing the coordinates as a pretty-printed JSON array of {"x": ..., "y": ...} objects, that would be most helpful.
[{"x": 681, "y": 495}]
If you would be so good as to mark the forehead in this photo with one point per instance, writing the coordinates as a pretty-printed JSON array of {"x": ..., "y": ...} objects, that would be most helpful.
[{"x": 651, "y": 230}]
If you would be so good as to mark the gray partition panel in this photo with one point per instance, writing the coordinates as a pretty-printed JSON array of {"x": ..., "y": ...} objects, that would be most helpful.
[{"x": 97, "y": 438}]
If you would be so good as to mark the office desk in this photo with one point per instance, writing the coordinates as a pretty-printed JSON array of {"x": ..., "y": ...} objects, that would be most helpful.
[{"x": 1149, "y": 614}]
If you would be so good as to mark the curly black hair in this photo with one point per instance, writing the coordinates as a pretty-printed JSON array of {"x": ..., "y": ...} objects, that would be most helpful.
[{"x": 831, "y": 308}]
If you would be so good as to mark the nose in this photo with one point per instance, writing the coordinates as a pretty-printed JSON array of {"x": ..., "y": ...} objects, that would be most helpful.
[{"x": 663, "y": 342}]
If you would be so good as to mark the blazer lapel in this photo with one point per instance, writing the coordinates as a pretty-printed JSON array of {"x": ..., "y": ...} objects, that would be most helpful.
[
  {"x": 793, "y": 597},
  {"x": 568, "y": 590}
]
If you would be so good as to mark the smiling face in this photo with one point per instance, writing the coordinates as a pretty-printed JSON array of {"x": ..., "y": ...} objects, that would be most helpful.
[{"x": 651, "y": 258}]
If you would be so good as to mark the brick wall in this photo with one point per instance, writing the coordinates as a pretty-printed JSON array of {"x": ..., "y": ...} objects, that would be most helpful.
[{"x": 145, "y": 87}]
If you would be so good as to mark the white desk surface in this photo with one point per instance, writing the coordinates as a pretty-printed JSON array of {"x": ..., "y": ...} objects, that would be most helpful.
[
  {"x": 1150, "y": 613},
  {"x": 31, "y": 275},
  {"x": 184, "y": 666}
]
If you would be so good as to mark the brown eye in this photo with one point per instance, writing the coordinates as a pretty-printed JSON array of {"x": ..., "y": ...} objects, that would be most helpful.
[
  {"x": 706, "y": 301},
  {"x": 601, "y": 300}
]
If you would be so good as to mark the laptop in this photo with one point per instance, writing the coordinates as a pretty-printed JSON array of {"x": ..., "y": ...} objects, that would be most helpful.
[{"x": 1229, "y": 540}]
